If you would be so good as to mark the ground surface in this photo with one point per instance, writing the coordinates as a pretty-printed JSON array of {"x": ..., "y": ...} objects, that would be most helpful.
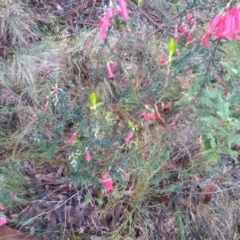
[{"x": 51, "y": 60}]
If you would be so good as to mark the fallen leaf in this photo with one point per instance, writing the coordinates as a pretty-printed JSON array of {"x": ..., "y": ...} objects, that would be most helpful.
[
  {"x": 207, "y": 193},
  {"x": 116, "y": 216},
  {"x": 60, "y": 171},
  {"x": 51, "y": 227},
  {"x": 8, "y": 233},
  {"x": 69, "y": 213}
]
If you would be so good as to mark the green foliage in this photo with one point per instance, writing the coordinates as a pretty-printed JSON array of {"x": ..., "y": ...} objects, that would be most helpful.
[
  {"x": 93, "y": 100},
  {"x": 132, "y": 125},
  {"x": 217, "y": 124},
  {"x": 13, "y": 185},
  {"x": 172, "y": 46}
]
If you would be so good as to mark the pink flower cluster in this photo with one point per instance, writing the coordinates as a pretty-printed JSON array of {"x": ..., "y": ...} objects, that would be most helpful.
[
  {"x": 105, "y": 20},
  {"x": 106, "y": 180},
  {"x": 110, "y": 68},
  {"x": 87, "y": 152},
  {"x": 153, "y": 115},
  {"x": 190, "y": 19},
  {"x": 225, "y": 25},
  {"x": 149, "y": 116},
  {"x": 128, "y": 137},
  {"x": 184, "y": 29}
]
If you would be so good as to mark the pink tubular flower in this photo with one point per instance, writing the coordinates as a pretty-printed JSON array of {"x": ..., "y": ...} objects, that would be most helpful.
[
  {"x": 87, "y": 155},
  {"x": 109, "y": 70},
  {"x": 124, "y": 11},
  {"x": 225, "y": 25},
  {"x": 214, "y": 23},
  {"x": 149, "y": 116},
  {"x": 166, "y": 106},
  {"x": 106, "y": 180},
  {"x": 2, "y": 207},
  {"x": 3, "y": 220},
  {"x": 72, "y": 138},
  {"x": 237, "y": 16},
  {"x": 205, "y": 39},
  {"x": 220, "y": 32},
  {"x": 128, "y": 137},
  {"x": 229, "y": 25},
  {"x": 105, "y": 23},
  {"x": 191, "y": 19}
]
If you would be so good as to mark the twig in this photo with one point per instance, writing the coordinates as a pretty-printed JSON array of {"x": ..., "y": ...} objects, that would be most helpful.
[{"x": 146, "y": 15}]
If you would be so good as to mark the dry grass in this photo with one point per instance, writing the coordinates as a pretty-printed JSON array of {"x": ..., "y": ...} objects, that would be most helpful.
[{"x": 17, "y": 25}]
